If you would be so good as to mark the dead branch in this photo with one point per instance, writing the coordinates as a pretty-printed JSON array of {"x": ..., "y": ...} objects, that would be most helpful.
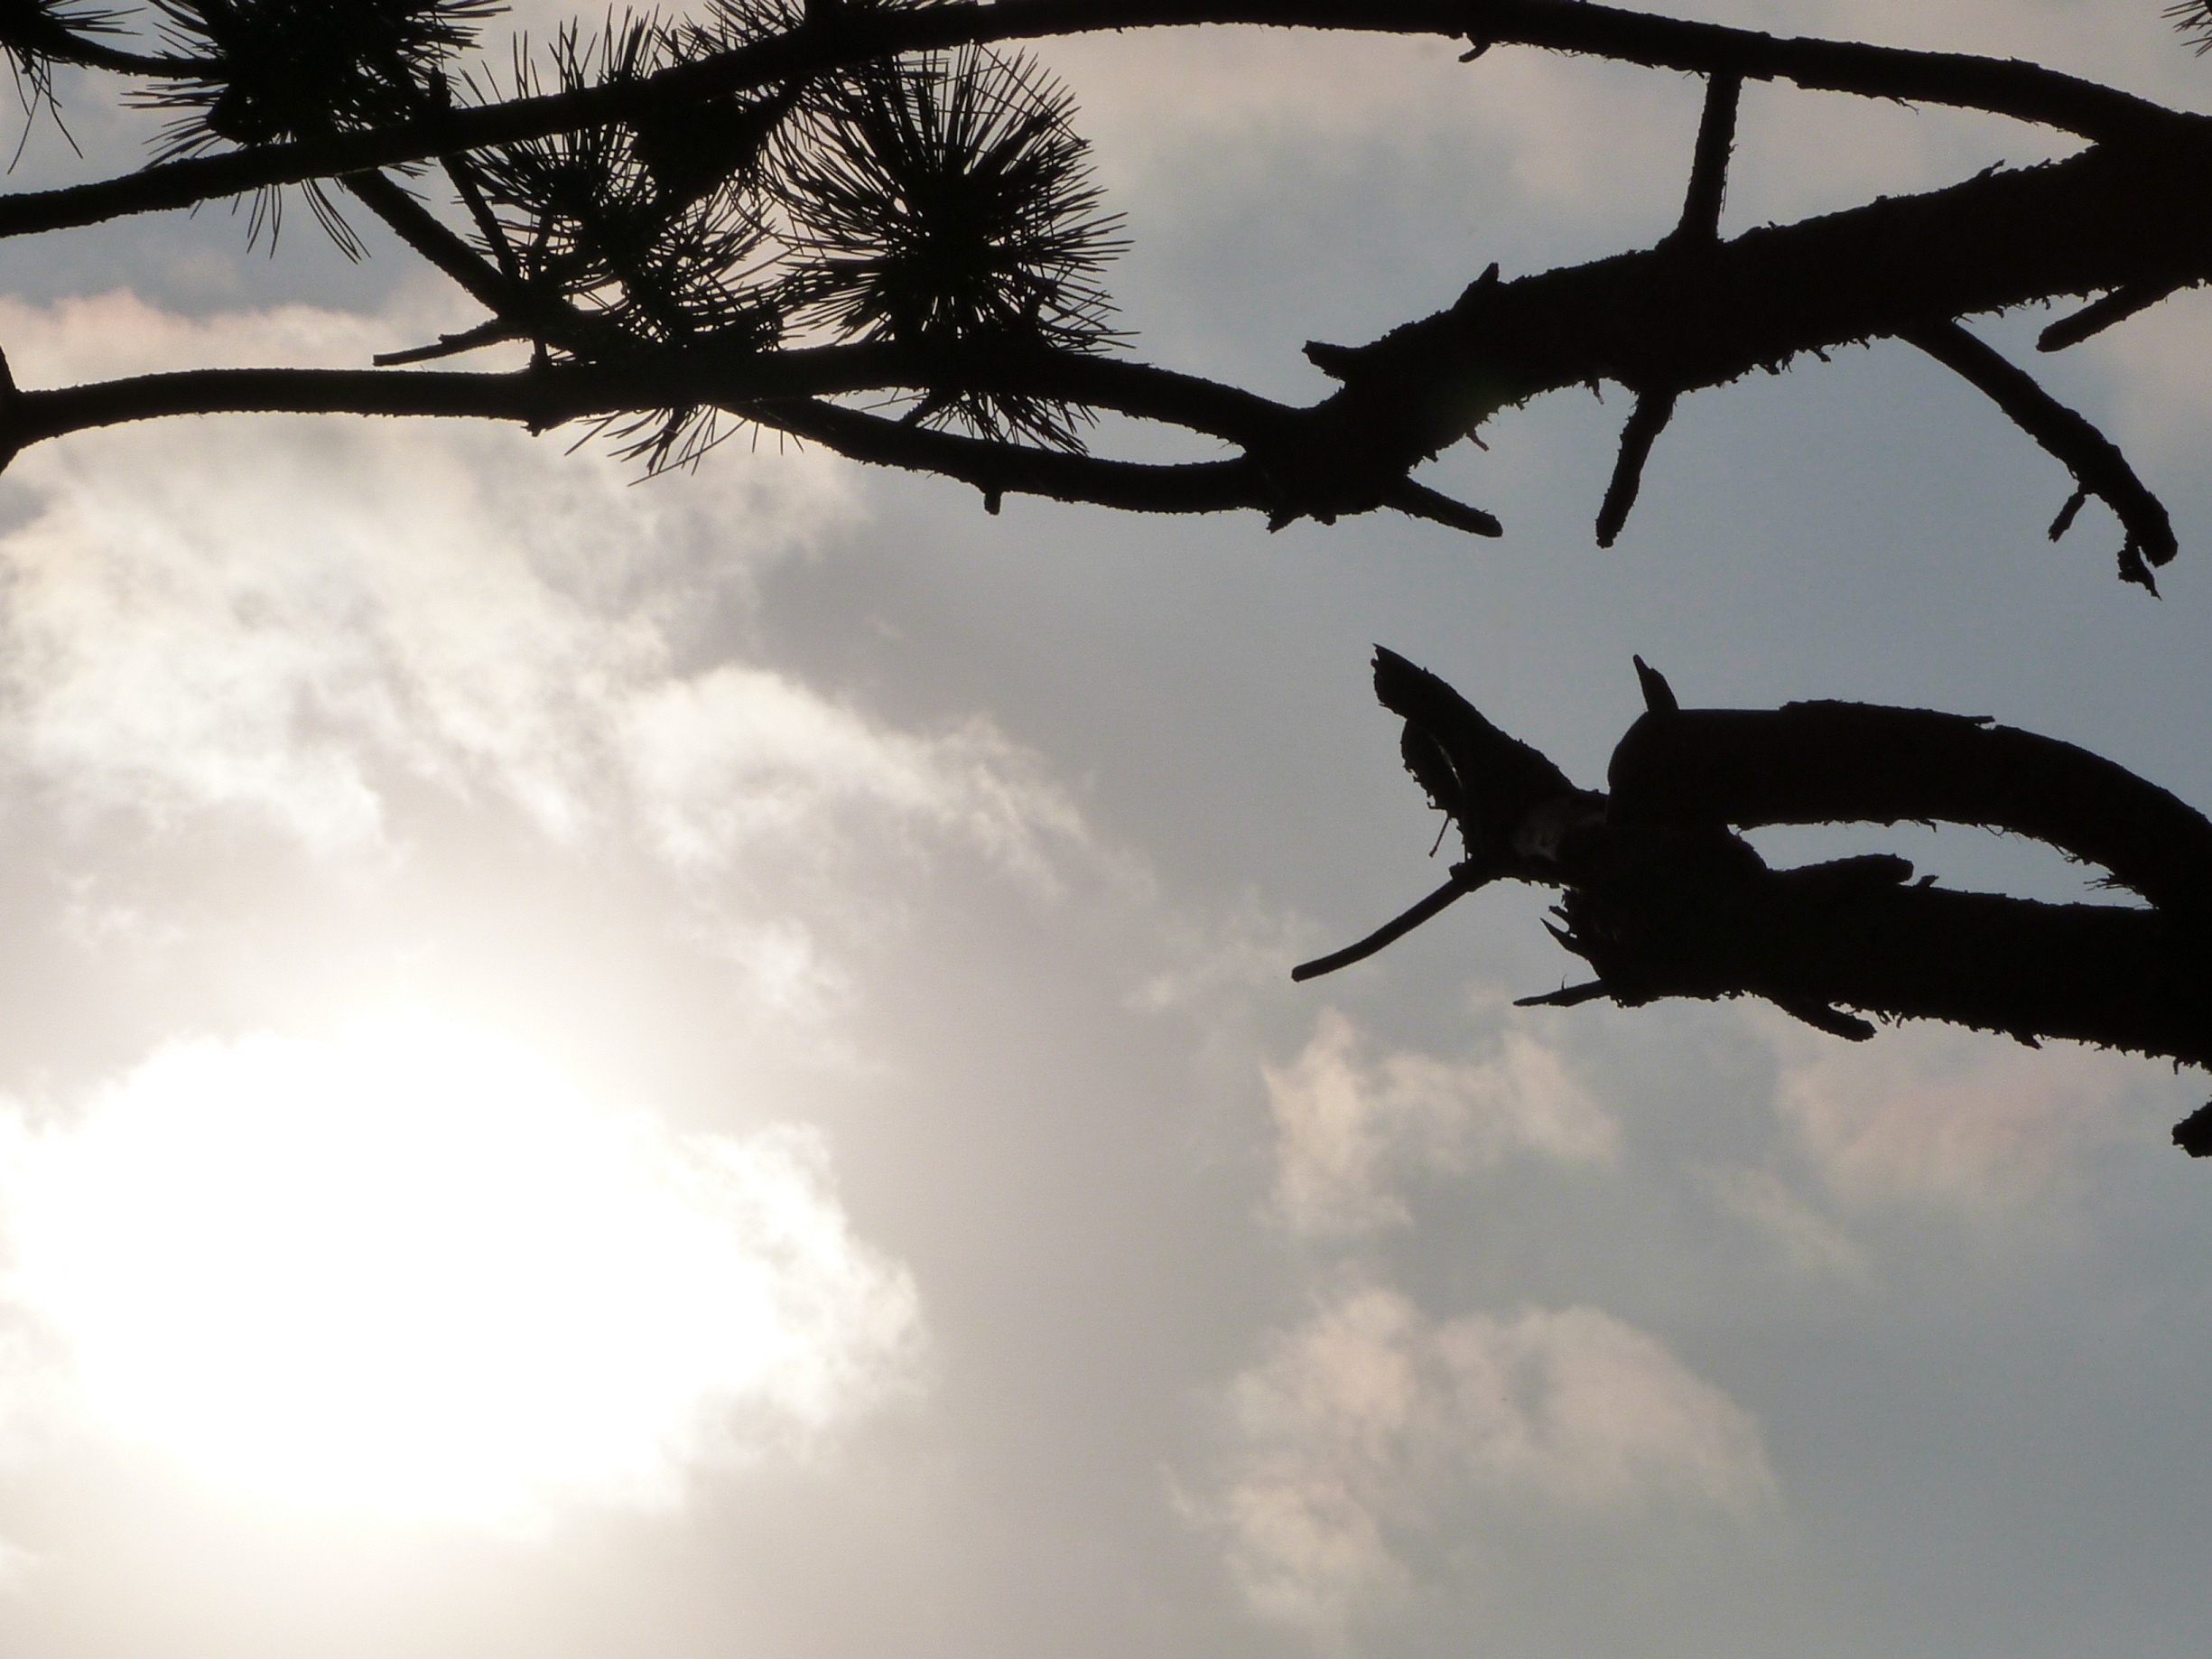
[{"x": 1663, "y": 898}]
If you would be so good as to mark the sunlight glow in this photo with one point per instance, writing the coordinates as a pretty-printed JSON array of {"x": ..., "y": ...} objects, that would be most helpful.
[{"x": 413, "y": 1273}]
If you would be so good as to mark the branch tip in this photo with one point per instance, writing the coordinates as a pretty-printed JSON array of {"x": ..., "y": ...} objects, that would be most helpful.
[
  {"x": 1659, "y": 697},
  {"x": 1645, "y": 422},
  {"x": 1823, "y": 1018},
  {"x": 2099, "y": 314},
  {"x": 1566, "y": 996},
  {"x": 2067, "y": 514},
  {"x": 1418, "y": 501},
  {"x": 2097, "y": 464}
]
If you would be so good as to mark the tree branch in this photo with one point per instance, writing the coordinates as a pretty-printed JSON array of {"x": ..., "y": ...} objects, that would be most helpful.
[
  {"x": 1682, "y": 318},
  {"x": 2096, "y": 461},
  {"x": 1663, "y": 901},
  {"x": 1653, "y": 410},
  {"x": 1716, "y": 137},
  {"x": 1389, "y": 933},
  {"x": 1847, "y": 762},
  {"x": 2098, "y": 315},
  {"x": 1008, "y": 468},
  {"x": 1679, "y": 317},
  {"x": 832, "y": 41}
]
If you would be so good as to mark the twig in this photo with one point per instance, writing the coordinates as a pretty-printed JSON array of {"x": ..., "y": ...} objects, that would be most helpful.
[
  {"x": 1653, "y": 410},
  {"x": 1716, "y": 137},
  {"x": 2096, "y": 461},
  {"x": 2098, "y": 315},
  {"x": 1566, "y": 996},
  {"x": 1434, "y": 905}
]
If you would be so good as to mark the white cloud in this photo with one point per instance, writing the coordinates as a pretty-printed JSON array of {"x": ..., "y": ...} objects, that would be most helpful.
[
  {"x": 735, "y": 756},
  {"x": 1346, "y": 1124},
  {"x": 411, "y": 1271},
  {"x": 288, "y": 617},
  {"x": 1371, "y": 1425}
]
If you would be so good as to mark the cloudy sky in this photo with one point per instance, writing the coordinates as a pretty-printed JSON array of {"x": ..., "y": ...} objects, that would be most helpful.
[{"x": 707, "y": 1067}]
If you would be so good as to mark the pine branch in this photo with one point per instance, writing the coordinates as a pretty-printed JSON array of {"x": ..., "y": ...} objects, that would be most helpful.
[
  {"x": 1663, "y": 900},
  {"x": 1690, "y": 313},
  {"x": 1682, "y": 318},
  {"x": 837, "y": 41}
]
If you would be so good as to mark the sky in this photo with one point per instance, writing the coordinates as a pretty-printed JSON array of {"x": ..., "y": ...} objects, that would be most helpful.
[{"x": 707, "y": 1067}]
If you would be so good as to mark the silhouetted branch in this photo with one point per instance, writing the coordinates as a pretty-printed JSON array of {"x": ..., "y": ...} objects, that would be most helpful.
[
  {"x": 1663, "y": 899},
  {"x": 424, "y": 232},
  {"x": 999, "y": 469},
  {"x": 1667, "y": 317},
  {"x": 2098, "y": 315},
  {"x": 1716, "y": 137},
  {"x": 1693, "y": 313},
  {"x": 1653, "y": 410},
  {"x": 1566, "y": 996},
  {"x": 1434, "y": 905},
  {"x": 490, "y": 333},
  {"x": 32, "y": 33},
  {"x": 2096, "y": 461},
  {"x": 1419, "y": 501},
  {"x": 840, "y": 39},
  {"x": 1848, "y": 762}
]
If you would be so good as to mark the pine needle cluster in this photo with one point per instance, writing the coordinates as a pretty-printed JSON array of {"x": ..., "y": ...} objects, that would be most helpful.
[
  {"x": 266, "y": 71},
  {"x": 938, "y": 202},
  {"x": 941, "y": 203},
  {"x": 947, "y": 201},
  {"x": 35, "y": 33}
]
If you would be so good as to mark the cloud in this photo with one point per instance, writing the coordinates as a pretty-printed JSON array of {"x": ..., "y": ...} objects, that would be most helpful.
[
  {"x": 1347, "y": 1124},
  {"x": 295, "y": 622},
  {"x": 1808, "y": 1242},
  {"x": 735, "y": 756},
  {"x": 1959, "y": 1119},
  {"x": 1371, "y": 1426},
  {"x": 1582, "y": 138},
  {"x": 413, "y": 1273}
]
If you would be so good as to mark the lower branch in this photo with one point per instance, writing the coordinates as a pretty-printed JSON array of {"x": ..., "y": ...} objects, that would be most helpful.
[
  {"x": 1002, "y": 469},
  {"x": 1663, "y": 898}
]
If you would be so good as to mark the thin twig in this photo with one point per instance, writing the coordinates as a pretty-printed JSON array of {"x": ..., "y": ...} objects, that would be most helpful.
[{"x": 1434, "y": 905}]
